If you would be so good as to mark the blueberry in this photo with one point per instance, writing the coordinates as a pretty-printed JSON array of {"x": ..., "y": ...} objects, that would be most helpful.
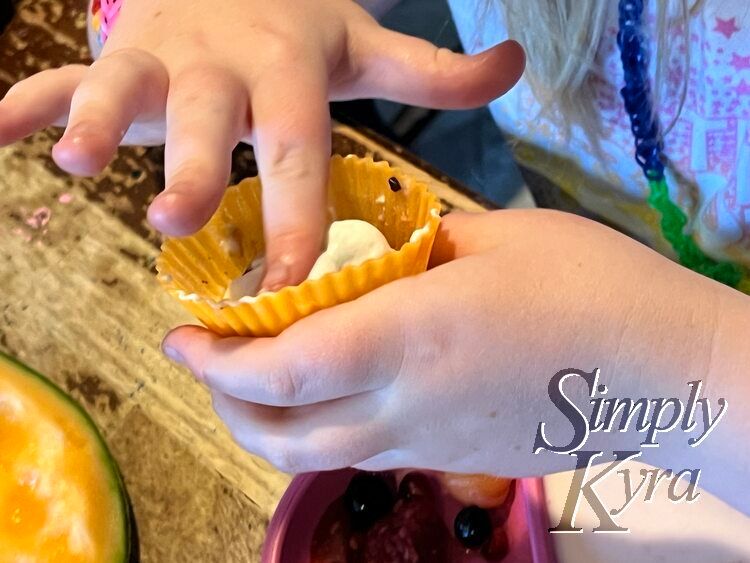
[
  {"x": 367, "y": 499},
  {"x": 472, "y": 527},
  {"x": 414, "y": 484}
]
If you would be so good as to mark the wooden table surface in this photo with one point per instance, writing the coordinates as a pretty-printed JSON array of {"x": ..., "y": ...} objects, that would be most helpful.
[{"x": 80, "y": 303}]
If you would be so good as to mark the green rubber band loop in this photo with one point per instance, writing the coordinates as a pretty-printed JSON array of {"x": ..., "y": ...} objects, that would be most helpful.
[{"x": 690, "y": 255}]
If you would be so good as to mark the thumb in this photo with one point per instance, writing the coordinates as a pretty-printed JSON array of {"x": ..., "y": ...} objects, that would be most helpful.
[{"x": 412, "y": 71}]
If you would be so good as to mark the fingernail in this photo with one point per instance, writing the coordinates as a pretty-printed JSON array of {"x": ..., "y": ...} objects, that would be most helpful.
[
  {"x": 278, "y": 276},
  {"x": 165, "y": 214},
  {"x": 273, "y": 286},
  {"x": 167, "y": 199},
  {"x": 173, "y": 354}
]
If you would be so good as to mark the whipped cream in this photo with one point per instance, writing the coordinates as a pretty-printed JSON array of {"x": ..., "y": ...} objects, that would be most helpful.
[{"x": 350, "y": 243}]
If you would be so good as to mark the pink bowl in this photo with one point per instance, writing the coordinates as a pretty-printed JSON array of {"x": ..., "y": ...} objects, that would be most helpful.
[{"x": 290, "y": 532}]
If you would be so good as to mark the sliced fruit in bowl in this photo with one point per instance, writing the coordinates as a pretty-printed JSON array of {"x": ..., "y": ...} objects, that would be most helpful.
[
  {"x": 351, "y": 516},
  {"x": 484, "y": 491}
]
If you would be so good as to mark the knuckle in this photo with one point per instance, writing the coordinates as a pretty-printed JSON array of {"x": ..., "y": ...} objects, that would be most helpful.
[
  {"x": 130, "y": 58},
  {"x": 441, "y": 61},
  {"x": 286, "y": 159},
  {"x": 216, "y": 90},
  {"x": 203, "y": 372},
  {"x": 286, "y": 386},
  {"x": 281, "y": 388},
  {"x": 112, "y": 81},
  {"x": 195, "y": 79},
  {"x": 441, "y": 70},
  {"x": 282, "y": 48},
  {"x": 130, "y": 66}
]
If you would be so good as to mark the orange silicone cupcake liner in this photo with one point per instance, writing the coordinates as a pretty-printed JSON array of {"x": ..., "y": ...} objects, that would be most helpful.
[{"x": 196, "y": 270}]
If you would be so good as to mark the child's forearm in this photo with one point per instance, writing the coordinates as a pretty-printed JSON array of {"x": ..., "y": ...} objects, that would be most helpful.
[
  {"x": 649, "y": 325},
  {"x": 665, "y": 328},
  {"x": 724, "y": 456}
]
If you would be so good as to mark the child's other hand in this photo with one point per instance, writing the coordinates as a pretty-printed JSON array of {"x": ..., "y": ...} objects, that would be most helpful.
[
  {"x": 449, "y": 370},
  {"x": 202, "y": 76}
]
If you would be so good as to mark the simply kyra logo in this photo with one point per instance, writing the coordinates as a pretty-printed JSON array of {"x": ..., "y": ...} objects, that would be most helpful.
[{"x": 652, "y": 417}]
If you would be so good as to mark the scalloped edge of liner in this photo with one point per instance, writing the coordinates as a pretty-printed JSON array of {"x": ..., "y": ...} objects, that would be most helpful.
[{"x": 193, "y": 297}]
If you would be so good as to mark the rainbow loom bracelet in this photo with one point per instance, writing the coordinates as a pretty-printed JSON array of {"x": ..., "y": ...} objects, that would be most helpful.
[
  {"x": 103, "y": 16},
  {"x": 636, "y": 95}
]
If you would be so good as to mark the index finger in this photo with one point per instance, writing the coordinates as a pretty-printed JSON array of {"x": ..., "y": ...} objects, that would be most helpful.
[{"x": 292, "y": 138}]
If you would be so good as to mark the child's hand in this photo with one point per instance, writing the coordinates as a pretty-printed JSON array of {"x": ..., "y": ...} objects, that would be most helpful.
[
  {"x": 205, "y": 75},
  {"x": 449, "y": 370}
]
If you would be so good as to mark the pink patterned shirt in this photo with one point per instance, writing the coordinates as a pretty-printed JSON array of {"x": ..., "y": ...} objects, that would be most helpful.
[{"x": 708, "y": 148}]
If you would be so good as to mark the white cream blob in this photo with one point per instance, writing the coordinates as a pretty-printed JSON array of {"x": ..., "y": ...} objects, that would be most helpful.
[
  {"x": 248, "y": 283},
  {"x": 350, "y": 243}
]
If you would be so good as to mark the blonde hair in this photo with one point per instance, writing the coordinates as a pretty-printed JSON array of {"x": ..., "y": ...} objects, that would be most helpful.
[{"x": 562, "y": 39}]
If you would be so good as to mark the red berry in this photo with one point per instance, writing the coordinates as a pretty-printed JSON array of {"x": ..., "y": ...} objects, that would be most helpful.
[
  {"x": 331, "y": 537},
  {"x": 413, "y": 533},
  {"x": 497, "y": 548}
]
